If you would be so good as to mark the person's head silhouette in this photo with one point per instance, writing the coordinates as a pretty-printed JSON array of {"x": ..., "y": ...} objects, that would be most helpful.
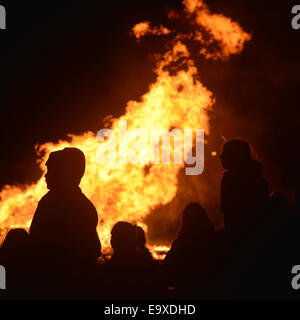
[
  {"x": 65, "y": 168},
  {"x": 235, "y": 154},
  {"x": 123, "y": 239},
  {"x": 195, "y": 222},
  {"x": 140, "y": 237},
  {"x": 16, "y": 241}
]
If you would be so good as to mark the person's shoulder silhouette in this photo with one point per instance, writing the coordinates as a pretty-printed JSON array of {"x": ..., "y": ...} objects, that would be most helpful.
[{"x": 64, "y": 224}]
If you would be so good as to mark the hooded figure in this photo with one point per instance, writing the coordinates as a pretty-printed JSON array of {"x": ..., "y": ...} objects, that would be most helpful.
[
  {"x": 244, "y": 191},
  {"x": 190, "y": 265},
  {"x": 63, "y": 230}
]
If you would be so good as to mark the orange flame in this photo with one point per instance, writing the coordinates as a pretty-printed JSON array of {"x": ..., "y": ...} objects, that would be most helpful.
[
  {"x": 223, "y": 29},
  {"x": 143, "y": 28},
  {"x": 129, "y": 191}
]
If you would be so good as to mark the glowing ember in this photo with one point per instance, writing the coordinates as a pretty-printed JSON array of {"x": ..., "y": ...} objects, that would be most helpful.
[{"x": 179, "y": 100}]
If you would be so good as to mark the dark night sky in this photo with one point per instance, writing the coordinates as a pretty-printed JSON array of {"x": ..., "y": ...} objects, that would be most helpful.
[{"x": 66, "y": 66}]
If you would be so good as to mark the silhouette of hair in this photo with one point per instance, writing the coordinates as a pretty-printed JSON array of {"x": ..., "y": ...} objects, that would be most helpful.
[
  {"x": 68, "y": 165},
  {"x": 141, "y": 247},
  {"x": 195, "y": 221},
  {"x": 16, "y": 239},
  {"x": 244, "y": 191},
  {"x": 235, "y": 153},
  {"x": 14, "y": 254},
  {"x": 140, "y": 237},
  {"x": 189, "y": 265},
  {"x": 123, "y": 238}
]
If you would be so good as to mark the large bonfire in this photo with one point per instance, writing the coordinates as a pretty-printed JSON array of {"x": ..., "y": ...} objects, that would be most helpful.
[{"x": 126, "y": 191}]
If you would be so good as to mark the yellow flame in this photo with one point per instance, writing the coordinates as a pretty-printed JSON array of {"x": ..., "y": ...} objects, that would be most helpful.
[
  {"x": 228, "y": 33},
  {"x": 126, "y": 191},
  {"x": 159, "y": 252}
]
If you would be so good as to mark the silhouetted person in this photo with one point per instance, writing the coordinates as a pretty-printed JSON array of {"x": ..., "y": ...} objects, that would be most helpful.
[
  {"x": 13, "y": 256},
  {"x": 278, "y": 255},
  {"x": 245, "y": 205},
  {"x": 63, "y": 234},
  {"x": 127, "y": 275},
  {"x": 283, "y": 251},
  {"x": 190, "y": 265},
  {"x": 244, "y": 191}
]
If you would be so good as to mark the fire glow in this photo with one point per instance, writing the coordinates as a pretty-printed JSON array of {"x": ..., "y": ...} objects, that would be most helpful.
[
  {"x": 147, "y": 149},
  {"x": 126, "y": 191}
]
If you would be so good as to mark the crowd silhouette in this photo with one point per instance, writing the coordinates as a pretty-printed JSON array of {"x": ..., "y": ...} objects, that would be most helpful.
[{"x": 251, "y": 257}]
